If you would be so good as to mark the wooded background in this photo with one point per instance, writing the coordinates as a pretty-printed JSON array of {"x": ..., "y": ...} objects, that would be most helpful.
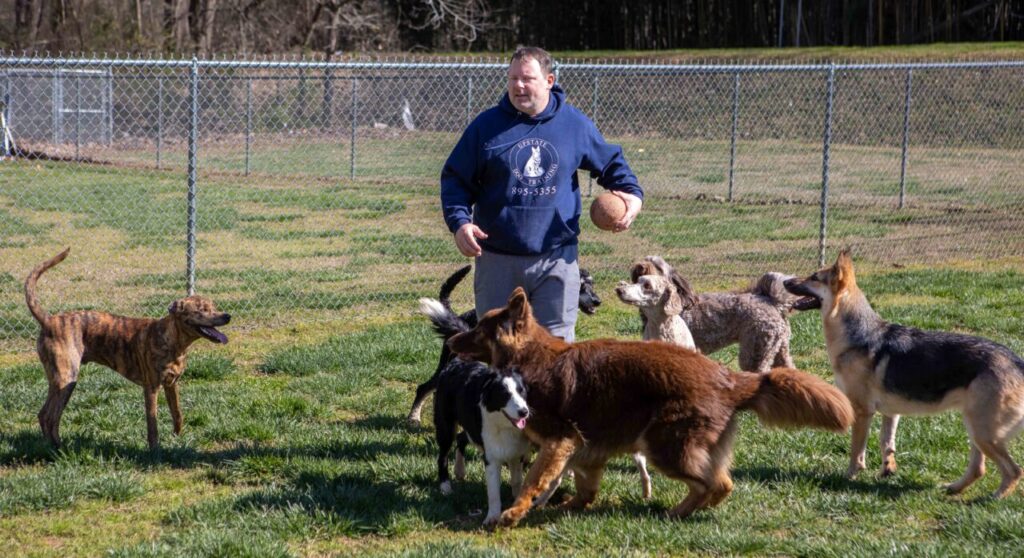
[{"x": 245, "y": 27}]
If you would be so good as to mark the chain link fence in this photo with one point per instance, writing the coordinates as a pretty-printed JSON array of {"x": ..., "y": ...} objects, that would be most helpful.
[{"x": 295, "y": 192}]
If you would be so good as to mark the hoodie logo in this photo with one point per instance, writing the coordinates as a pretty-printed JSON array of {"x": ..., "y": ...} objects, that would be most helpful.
[{"x": 534, "y": 162}]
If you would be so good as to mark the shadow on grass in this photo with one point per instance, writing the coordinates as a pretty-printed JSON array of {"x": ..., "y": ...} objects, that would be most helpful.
[
  {"x": 28, "y": 447},
  {"x": 891, "y": 488}
]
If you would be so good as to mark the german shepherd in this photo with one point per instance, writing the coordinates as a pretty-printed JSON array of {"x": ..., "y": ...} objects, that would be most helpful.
[
  {"x": 592, "y": 400},
  {"x": 895, "y": 370}
]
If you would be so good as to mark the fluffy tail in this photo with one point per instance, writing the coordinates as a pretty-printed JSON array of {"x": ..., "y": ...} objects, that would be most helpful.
[
  {"x": 30, "y": 286},
  {"x": 787, "y": 398},
  {"x": 446, "y": 322},
  {"x": 449, "y": 285},
  {"x": 770, "y": 285}
]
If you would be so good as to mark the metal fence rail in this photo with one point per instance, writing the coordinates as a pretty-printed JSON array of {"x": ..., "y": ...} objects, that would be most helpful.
[{"x": 307, "y": 190}]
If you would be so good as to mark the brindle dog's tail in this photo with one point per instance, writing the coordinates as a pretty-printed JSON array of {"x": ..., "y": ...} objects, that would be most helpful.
[
  {"x": 38, "y": 312},
  {"x": 788, "y": 398}
]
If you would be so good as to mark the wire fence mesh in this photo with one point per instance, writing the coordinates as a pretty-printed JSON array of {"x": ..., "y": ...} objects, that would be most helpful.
[{"x": 303, "y": 191}]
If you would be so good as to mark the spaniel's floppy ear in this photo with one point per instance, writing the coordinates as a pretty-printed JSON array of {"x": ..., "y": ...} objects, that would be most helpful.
[
  {"x": 687, "y": 297},
  {"x": 637, "y": 271},
  {"x": 673, "y": 302}
]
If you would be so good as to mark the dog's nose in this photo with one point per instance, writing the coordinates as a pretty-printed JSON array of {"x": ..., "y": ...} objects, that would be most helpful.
[
  {"x": 227, "y": 317},
  {"x": 790, "y": 282},
  {"x": 523, "y": 413}
]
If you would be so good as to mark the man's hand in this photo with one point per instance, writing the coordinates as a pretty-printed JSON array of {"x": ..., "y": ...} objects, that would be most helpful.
[
  {"x": 633, "y": 205},
  {"x": 465, "y": 239}
]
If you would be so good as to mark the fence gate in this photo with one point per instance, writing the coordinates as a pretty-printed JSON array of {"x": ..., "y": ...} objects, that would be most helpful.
[{"x": 62, "y": 106}]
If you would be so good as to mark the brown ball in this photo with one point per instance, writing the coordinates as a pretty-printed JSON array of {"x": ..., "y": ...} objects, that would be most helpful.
[{"x": 606, "y": 210}]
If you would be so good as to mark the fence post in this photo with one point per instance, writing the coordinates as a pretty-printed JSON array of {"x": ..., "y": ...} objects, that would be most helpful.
[
  {"x": 735, "y": 118},
  {"x": 593, "y": 113},
  {"x": 906, "y": 138},
  {"x": 109, "y": 102},
  {"x": 159, "y": 117},
  {"x": 300, "y": 107},
  {"x": 469, "y": 99},
  {"x": 57, "y": 112},
  {"x": 78, "y": 115},
  {"x": 7, "y": 116},
  {"x": 826, "y": 150},
  {"x": 328, "y": 115},
  {"x": 193, "y": 139},
  {"x": 248, "y": 121},
  {"x": 355, "y": 109}
]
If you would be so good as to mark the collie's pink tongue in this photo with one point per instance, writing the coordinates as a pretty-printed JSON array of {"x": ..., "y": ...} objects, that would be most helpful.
[{"x": 521, "y": 423}]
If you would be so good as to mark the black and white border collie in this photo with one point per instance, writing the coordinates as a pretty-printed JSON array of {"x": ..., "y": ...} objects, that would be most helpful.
[
  {"x": 588, "y": 303},
  {"x": 490, "y": 407}
]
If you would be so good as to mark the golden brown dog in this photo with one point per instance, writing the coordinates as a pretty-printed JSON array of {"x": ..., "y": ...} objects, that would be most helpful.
[
  {"x": 149, "y": 352},
  {"x": 592, "y": 400},
  {"x": 894, "y": 370}
]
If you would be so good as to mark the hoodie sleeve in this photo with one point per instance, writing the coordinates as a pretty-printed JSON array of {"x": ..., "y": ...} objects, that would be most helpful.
[
  {"x": 459, "y": 186},
  {"x": 607, "y": 164}
]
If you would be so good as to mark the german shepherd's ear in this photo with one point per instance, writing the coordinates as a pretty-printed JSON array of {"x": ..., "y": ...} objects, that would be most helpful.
[
  {"x": 843, "y": 269},
  {"x": 843, "y": 279}
]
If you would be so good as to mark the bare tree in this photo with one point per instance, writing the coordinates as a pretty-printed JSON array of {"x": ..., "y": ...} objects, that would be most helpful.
[
  {"x": 182, "y": 31},
  {"x": 468, "y": 18},
  {"x": 209, "y": 13},
  {"x": 342, "y": 20}
]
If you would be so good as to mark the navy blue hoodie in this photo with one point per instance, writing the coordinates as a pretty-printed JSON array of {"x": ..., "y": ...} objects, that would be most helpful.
[{"x": 514, "y": 175}]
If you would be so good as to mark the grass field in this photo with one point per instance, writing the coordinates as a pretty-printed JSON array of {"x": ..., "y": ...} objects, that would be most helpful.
[
  {"x": 295, "y": 442},
  {"x": 297, "y": 245},
  {"x": 304, "y": 451}
]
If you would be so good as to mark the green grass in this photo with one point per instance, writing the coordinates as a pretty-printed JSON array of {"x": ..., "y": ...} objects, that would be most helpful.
[{"x": 304, "y": 451}]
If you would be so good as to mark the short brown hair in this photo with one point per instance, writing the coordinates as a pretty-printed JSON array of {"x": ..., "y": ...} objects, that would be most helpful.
[{"x": 542, "y": 57}]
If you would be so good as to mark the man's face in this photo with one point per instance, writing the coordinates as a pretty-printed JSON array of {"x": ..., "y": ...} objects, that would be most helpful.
[{"x": 528, "y": 88}]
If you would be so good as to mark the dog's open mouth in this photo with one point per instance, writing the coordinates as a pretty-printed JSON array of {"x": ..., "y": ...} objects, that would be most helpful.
[
  {"x": 809, "y": 300},
  {"x": 212, "y": 334},
  {"x": 807, "y": 303},
  {"x": 519, "y": 423}
]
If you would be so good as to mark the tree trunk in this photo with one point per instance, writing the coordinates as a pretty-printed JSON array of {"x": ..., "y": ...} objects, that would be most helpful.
[
  {"x": 38, "y": 7},
  {"x": 182, "y": 33},
  {"x": 208, "y": 26}
]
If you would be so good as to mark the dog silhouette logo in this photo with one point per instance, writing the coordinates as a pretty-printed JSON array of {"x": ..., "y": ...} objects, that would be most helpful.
[
  {"x": 533, "y": 168},
  {"x": 533, "y": 162}
]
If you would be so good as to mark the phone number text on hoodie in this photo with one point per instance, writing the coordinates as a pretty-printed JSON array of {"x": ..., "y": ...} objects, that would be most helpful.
[{"x": 542, "y": 191}]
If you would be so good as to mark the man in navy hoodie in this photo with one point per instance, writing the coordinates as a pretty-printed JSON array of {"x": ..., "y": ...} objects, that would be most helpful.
[{"x": 510, "y": 195}]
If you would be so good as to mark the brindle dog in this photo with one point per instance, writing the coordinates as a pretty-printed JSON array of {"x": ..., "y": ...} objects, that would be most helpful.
[{"x": 149, "y": 352}]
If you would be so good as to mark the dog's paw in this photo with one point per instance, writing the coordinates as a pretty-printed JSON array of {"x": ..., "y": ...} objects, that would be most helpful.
[
  {"x": 888, "y": 465},
  {"x": 952, "y": 489},
  {"x": 491, "y": 521},
  {"x": 852, "y": 470},
  {"x": 510, "y": 518},
  {"x": 446, "y": 488}
]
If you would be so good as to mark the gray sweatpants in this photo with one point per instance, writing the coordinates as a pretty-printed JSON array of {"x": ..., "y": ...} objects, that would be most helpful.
[{"x": 551, "y": 281}]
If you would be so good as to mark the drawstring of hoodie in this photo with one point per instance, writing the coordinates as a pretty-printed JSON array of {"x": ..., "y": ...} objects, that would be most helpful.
[{"x": 515, "y": 141}]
